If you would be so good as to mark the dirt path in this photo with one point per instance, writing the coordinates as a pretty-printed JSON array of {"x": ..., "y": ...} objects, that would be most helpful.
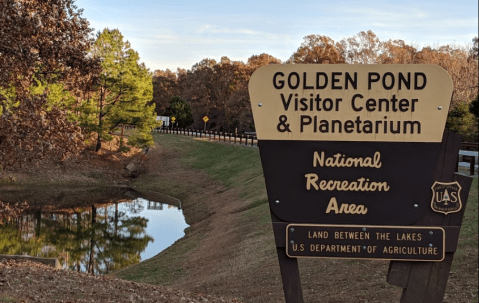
[{"x": 27, "y": 282}]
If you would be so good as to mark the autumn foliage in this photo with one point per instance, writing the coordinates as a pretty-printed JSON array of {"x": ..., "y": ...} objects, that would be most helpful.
[
  {"x": 30, "y": 133},
  {"x": 41, "y": 42},
  {"x": 219, "y": 90},
  {"x": 44, "y": 40},
  {"x": 8, "y": 212}
]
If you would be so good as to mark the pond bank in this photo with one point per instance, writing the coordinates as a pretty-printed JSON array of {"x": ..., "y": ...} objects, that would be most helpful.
[{"x": 106, "y": 167}]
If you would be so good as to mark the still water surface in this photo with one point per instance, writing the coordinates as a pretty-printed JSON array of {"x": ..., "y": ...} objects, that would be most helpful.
[
  {"x": 166, "y": 224},
  {"x": 119, "y": 229}
]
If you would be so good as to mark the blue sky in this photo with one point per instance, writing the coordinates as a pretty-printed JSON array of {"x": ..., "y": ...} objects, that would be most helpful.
[{"x": 180, "y": 33}]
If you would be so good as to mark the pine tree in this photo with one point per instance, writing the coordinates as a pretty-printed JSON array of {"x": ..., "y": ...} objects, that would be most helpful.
[
  {"x": 123, "y": 92},
  {"x": 180, "y": 110}
]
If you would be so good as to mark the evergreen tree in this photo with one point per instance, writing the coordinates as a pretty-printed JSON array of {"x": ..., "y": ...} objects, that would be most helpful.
[
  {"x": 123, "y": 92},
  {"x": 474, "y": 107},
  {"x": 462, "y": 121},
  {"x": 180, "y": 110}
]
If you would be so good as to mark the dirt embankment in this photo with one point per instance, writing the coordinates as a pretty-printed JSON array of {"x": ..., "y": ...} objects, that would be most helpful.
[
  {"x": 23, "y": 281},
  {"x": 108, "y": 166}
]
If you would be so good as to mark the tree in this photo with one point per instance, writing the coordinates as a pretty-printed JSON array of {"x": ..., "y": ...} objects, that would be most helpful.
[
  {"x": 180, "y": 110},
  {"x": 203, "y": 89},
  {"x": 41, "y": 42},
  {"x": 165, "y": 86},
  {"x": 457, "y": 62},
  {"x": 124, "y": 89},
  {"x": 474, "y": 52},
  {"x": 46, "y": 41},
  {"x": 256, "y": 61},
  {"x": 398, "y": 52},
  {"x": 318, "y": 49},
  {"x": 474, "y": 107},
  {"x": 216, "y": 89},
  {"x": 364, "y": 48},
  {"x": 462, "y": 121},
  {"x": 29, "y": 133}
]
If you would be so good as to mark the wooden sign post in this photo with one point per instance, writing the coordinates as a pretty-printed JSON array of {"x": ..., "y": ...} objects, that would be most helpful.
[{"x": 357, "y": 165}]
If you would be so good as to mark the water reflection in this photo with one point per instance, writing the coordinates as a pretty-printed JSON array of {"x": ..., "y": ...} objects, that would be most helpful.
[{"x": 97, "y": 238}]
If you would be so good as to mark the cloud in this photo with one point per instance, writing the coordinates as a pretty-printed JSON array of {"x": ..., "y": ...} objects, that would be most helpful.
[
  {"x": 387, "y": 15},
  {"x": 207, "y": 28},
  {"x": 162, "y": 38}
]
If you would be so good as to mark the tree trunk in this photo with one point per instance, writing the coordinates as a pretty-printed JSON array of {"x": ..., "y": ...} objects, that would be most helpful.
[
  {"x": 91, "y": 264},
  {"x": 38, "y": 219},
  {"x": 78, "y": 235},
  {"x": 100, "y": 122},
  {"x": 116, "y": 219},
  {"x": 121, "y": 137}
]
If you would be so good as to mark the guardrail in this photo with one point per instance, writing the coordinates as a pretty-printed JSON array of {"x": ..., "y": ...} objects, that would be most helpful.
[
  {"x": 241, "y": 139},
  {"x": 467, "y": 158},
  {"x": 469, "y": 146}
]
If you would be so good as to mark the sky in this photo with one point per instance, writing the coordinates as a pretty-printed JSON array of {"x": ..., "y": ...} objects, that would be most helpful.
[{"x": 179, "y": 33}]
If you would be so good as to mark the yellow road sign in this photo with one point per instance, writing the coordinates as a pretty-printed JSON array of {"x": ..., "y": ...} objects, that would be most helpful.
[{"x": 205, "y": 118}]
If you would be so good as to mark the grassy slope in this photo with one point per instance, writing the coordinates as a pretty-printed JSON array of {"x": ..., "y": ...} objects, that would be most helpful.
[
  {"x": 234, "y": 167},
  {"x": 240, "y": 168}
]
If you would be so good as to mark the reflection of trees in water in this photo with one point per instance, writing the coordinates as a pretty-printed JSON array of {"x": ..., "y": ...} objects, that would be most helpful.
[
  {"x": 95, "y": 239},
  {"x": 135, "y": 206}
]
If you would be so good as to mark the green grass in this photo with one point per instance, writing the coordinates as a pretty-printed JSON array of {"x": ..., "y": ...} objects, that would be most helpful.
[
  {"x": 470, "y": 222},
  {"x": 7, "y": 298},
  {"x": 468, "y": 239},
  {"x": 233, "y": 165},
  {"x": 258, "y": 202},
  {"x": 160, "y": 270}
]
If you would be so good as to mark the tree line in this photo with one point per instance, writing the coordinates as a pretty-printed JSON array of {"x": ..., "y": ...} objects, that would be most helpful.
[
  {"x": 219, "y": 90},
  {"x": 64, "y": 89}
]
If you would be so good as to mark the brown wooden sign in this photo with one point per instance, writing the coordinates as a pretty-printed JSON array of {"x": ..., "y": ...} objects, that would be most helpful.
[
  {"x": 349, "y": 144},
  {"x": 365, "y": 242},
  {"x": 347, "y": 147}
]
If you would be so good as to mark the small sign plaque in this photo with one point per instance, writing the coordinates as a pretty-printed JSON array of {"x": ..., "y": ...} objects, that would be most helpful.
[
  {"x": 206, "y": 119},
  {"x": 365, "y": 242},
  {"x": 446, "y": 197}
]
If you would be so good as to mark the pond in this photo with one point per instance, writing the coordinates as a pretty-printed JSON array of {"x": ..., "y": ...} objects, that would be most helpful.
[{"x": 95, "y": 230}]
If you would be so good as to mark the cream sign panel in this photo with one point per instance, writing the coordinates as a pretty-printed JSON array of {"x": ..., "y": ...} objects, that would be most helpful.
[{"x": 389, "y": 103}]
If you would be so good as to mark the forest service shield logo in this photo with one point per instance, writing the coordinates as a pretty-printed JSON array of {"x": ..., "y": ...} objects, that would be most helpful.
[{"x": 446, "y": 197}]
